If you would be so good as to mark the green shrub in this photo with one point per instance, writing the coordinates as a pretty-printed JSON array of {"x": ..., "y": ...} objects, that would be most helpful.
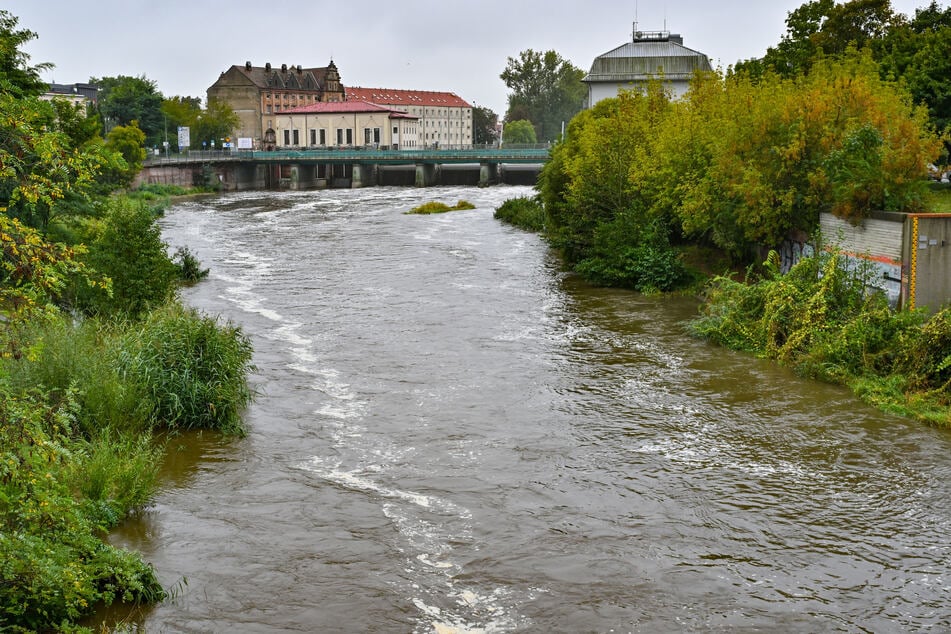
[
  {"x": 192, "y": 370},
  {"x": 821, "y": 320},
  {"x": 114, "y": 474},
  {"x": 523, "y": 212},
  {"x": 188, "y": 266},
  {"x": 631, "y": 255},
  {"x": 54, "y": 566},
  {"x": 78, "y": 360},
  {"x": 128, "y": 250}
]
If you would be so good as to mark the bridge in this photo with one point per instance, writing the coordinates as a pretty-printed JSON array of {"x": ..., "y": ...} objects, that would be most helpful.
[{"x": 307, "y": 168}]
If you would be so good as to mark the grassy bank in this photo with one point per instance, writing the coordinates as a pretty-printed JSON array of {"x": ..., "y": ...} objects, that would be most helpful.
[
  {"x": 820, "y": 320},
  {"x": 97, "y": 355}
]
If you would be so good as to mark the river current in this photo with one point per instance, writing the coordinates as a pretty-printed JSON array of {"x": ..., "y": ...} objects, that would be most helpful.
[{"x": 454, "y": 435}]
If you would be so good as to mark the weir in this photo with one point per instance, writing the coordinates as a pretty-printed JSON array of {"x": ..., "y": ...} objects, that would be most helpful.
[{"x": 346, "y": 168}]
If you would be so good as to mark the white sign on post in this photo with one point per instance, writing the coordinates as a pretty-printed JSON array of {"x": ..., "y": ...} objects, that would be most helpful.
[{"x": 184, "y": 137}]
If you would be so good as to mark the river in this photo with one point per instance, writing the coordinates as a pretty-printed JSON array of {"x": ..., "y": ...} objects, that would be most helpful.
[{"x": 454, "y": 435}]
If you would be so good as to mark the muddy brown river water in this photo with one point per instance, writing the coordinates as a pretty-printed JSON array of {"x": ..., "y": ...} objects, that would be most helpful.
[{"x": 453, "y": 435}]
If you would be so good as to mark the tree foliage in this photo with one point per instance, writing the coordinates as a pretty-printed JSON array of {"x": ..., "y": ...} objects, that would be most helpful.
[
  {"x": 738, "y": 163},
  {"x": 127, "y": 247},
  {"x": 484, "y": 126},
  {"x": 546, "y": 90},
  {"x": 215, "y": 122},
  {"x": 913, "y": 50},
  {"x": 521, "y": 131},
  {"x": 124, "y": 99},
  {"x": 17, "y": 77},
  {"x": 127, "y": 141},
  {"x": 42, "y": 169}
]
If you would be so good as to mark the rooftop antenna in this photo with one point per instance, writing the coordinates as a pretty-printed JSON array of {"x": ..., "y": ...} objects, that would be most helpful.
[{"x": 634, "y": 35}]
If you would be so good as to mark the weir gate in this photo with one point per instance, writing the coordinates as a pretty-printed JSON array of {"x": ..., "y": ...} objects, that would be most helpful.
[{"x": 345, "y": 168}]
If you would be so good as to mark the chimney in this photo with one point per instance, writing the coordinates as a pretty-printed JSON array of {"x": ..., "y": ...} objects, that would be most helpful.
[
  {"x": 267, "y": 67},
  {"x": 283, "y": 68},
  {"x": 247, "y": 65}
]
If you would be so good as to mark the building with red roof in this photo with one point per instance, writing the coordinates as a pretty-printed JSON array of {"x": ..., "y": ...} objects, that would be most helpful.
[
  {"x": 445, "y": 119},
  {"x": 256, "y": 93},
  {"x": 342, "y": 124}
]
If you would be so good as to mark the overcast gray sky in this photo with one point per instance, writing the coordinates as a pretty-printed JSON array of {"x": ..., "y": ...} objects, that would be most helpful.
[{"x": 453, "y": 46}]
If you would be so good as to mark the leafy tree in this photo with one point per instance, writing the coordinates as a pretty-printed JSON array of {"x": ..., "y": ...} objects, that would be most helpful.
[
  {"x": 824, "y": 28},
  {"x": 546, "y": 89},
  {"x": 123, "y": 100},
  {"x": 519, "y": 132},
  {"x": 127, "y": 140},
  {"x": 839, "y": 139},
  {"x": 77, "y": 121},
  {"x": 215, "y": 122},
  {"x": 857, "y": 23},
  {"x": 128, "y": 249},
  {"x": 41, "y": 168},
  {"x": 916, "y": 52},
  {"x": 484, "y": 122},
  {"x": 16, "y": 76},
  {"x": 34, "y": 273},
  {"x": 598, "y": 191},
  {"x": 180, "y": 111}
]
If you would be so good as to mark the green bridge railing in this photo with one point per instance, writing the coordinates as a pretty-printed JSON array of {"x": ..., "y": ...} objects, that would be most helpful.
[{"x": 511, "y": 154}]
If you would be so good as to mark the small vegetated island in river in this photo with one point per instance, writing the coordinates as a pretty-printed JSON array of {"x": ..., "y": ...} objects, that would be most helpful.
[
  {"x": 436, "y": 207},
  {"x": 656, "y": 194}
]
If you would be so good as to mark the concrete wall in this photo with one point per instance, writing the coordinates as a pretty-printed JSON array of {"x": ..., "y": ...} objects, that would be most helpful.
[
  {"x": 928, "y": 261},
  {"x": 875, "y": 243},
  {"x": 599, "y": 91},
  {"x": 909, "y": 254}
]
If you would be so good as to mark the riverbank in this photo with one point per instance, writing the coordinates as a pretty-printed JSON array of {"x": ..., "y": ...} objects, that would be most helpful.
[
  {"x": 452, "y": 430},
  {"x": 82, "y": 393},
  {"x": 819, "y": 321}
]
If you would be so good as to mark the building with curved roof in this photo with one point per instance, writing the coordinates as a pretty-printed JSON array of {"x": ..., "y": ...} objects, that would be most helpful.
[{"x": 651, "y": 54}]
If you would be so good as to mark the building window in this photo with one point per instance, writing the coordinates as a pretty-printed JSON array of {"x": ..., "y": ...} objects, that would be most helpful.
[
  {"x": 287, "y": 137},
  {"x": 371, "y": 135},
  {"x": 323, "y": 137},
  {"x": 296, "y": 137},
  {"x": 313, "y": 137}
]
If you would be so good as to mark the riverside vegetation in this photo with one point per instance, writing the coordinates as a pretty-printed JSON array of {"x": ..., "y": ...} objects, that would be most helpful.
[
  {"x": 646, "y": 192},
  {"x": 98, "y": 357},
  {"x": 437, "y": 207}
]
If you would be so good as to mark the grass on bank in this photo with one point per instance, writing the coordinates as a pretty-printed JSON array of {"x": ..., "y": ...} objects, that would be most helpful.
[
  {"x": 821, "y": 320},
  {"x": 436, "y": 207},
  {"x": 80, "y": 401},
  {"x": 105, "y": 357},
  {"x": 938, "y": 198}
]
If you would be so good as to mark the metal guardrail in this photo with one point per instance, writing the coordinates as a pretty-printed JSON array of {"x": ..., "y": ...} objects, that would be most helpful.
[{"x": 469, "y": 154}]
